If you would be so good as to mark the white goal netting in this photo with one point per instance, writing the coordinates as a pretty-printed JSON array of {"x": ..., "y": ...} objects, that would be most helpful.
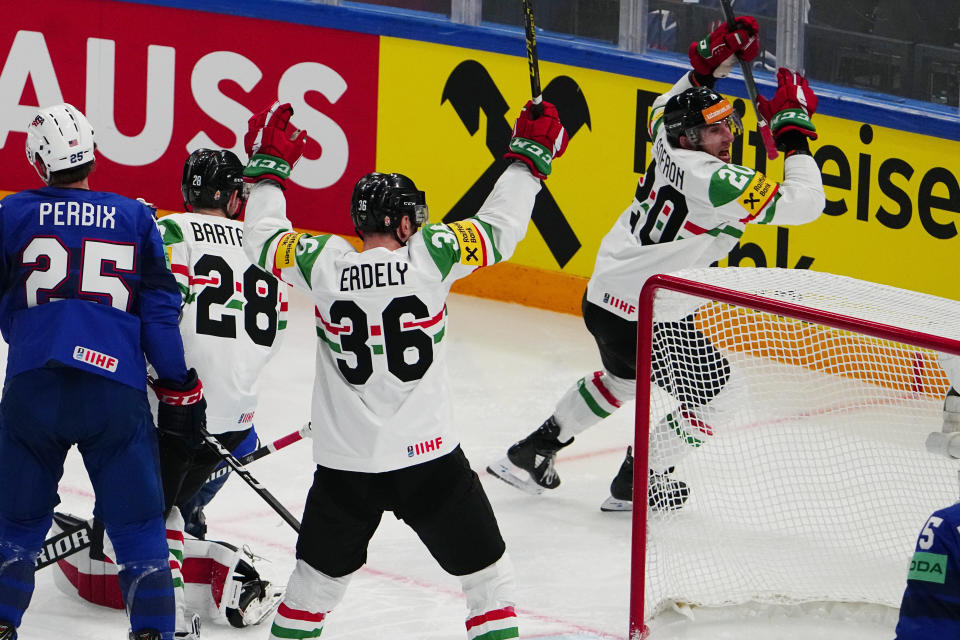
[{"x": 801, "y": 444}]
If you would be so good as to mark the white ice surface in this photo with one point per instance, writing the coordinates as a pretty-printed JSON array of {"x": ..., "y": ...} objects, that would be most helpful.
[{"x": 509, "y": 364}]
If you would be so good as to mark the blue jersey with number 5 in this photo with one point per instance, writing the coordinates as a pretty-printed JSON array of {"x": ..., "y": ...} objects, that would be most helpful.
[
  {"x": 85, "y": 284},
  {"x": 931, "y": 601}
]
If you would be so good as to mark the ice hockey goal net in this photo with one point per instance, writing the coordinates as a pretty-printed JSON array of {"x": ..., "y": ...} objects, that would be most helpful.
[{"x": 798, "y": 407}]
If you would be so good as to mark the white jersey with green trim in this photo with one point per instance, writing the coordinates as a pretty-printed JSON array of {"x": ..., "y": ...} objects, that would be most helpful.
[
  {"x": 233, "y": 314},
  {"x": 690, "y": 209},
  {"x": 381, "y": 395}
]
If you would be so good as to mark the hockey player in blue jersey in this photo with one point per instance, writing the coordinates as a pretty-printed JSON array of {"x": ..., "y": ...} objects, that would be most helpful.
[
  {"x": 931, "y": 601},
  {"x": 85, "y": 294}
]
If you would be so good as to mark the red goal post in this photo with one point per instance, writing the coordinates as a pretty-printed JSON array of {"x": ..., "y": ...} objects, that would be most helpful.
[{"x": 809, "y": 436}]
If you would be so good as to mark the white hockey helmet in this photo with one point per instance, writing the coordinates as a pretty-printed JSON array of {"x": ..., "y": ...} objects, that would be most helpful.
[{"x": 60, "y": 137}]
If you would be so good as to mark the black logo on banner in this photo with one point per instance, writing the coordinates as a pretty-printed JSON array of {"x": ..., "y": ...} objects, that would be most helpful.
[{"x": 471, "y": 90}]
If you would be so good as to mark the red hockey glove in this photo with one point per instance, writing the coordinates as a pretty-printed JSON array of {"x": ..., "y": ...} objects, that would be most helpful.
[
  {"x": 182, "y": 409},
  {"x": 538, "y": 142},
  {"x": 273, "y": 144},
  {"x": 790, "y": 109},
  {"x": 712, "y": 51}
]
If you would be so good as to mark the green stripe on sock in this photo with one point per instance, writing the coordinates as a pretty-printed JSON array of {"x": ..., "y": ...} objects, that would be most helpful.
[
  {"x": 283, "y": 632},
  {"x": 686, "y": 437},
  {"x": 596, "y": 408},
  {"x": 500, "y": 634}
]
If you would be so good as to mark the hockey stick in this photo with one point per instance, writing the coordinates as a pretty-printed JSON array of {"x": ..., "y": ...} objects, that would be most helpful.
[
  {"x": 533, "y": 62},
  {"x": 241, "y": 471},
  {"x": 266, "y": 450},
  {"x": 70, "y": 541},
  {"x": 762, "y": 123}
]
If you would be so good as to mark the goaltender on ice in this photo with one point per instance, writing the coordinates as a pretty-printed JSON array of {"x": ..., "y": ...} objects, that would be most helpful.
[
  {"x": 384, "y": 437},
  {"x": 689, "y": 209}
]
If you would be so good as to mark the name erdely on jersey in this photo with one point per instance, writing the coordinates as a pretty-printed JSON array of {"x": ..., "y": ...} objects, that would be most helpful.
[
  {"x": 369, "y": 276},
  {"x": 74, "y": 214}
]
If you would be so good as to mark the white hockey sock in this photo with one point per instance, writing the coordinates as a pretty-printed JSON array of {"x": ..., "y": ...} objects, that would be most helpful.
[
  {"x": 174, "y": 525},
  {"x": 590, "y": 400},
  {"x": 677, "y": 434},
  {"x": 310, "y": 596},
  {"x": 491, "y": 600}
]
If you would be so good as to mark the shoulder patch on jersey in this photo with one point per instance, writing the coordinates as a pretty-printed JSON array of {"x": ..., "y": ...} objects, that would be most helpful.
[
  {"x": 286, "y": 254},
  {"x": 441, "y": 244},
  {"x": 928, "y": 567},
  {"x": 751, "y": 189},
  {"x": 474, "y": 251},
  {"x": 308, "y": 248},
  {"x": 170, "y": 230},
  {"x": 656, "y": 119}
]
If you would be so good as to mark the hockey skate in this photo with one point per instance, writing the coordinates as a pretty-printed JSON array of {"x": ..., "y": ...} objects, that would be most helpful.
[
  {"x": 258, "y": 599},
  {"x": 663, "y": 492},
  {"x": 7, "y": 631},
  {"x": 529, "y": 465},
  {"x": 143, "y": 634},
  {"x": 193, "y": 631}
]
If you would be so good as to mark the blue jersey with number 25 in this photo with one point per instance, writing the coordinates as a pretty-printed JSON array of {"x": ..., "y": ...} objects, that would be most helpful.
[{"x": 85, "y": 284}]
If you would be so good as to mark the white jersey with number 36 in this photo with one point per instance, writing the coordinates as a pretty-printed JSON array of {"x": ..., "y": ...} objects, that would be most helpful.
[{"x": 381, "y": 396}]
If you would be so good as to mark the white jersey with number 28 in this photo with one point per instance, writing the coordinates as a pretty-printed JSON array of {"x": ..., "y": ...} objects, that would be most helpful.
[{"x": 233, "y": 313}]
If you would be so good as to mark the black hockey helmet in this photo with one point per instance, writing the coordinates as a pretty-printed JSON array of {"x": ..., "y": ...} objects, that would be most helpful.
[
  {"x": 210, "y": 178},
  {"x": 380, "y": 200},
  {"x": 687, "y": 112}
]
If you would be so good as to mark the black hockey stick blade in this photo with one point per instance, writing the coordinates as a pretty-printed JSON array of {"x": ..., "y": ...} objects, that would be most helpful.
[
  {"x": 241, "y": 471},
  {"x": 533, "y": 62},
  {"x": 762, "y": 123}
]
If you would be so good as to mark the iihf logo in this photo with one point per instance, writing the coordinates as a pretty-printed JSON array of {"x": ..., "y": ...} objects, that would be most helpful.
[
  {"x": 95, "y": 358},
  {"x": 426, "y": 446}
]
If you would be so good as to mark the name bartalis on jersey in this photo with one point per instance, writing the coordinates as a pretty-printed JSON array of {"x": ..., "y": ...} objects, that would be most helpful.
[
  {"x": 79, "y": 214},
  {"x": 217, "y": 233},
  {"x": 668, "y": 168},
  {"x": 369, "y": 276}
]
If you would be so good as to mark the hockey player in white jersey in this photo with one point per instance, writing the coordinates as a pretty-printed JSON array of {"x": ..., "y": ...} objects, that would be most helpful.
[
  {"x": 232, "y": 322},
  {"x": 689, "y": 210},
  {"x": 384, "y": 433}
]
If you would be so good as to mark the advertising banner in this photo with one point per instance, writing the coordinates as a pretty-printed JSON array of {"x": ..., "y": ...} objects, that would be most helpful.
[
  {"x": 442, "y": 114},
  {"x": 157, "y": 83},
  {"x": 893, "y": 199}
]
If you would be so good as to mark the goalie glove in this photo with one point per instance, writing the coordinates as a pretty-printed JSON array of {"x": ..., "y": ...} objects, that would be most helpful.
[
  {"x": 536, "y": 142},
  {"x": 789, "y": 112},
  {"x": 273, "y": 145},
  {"x": 182, "y": 408}
]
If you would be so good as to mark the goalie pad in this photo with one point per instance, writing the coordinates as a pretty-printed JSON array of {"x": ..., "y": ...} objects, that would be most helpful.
[{"x": 218, "y": 581}]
